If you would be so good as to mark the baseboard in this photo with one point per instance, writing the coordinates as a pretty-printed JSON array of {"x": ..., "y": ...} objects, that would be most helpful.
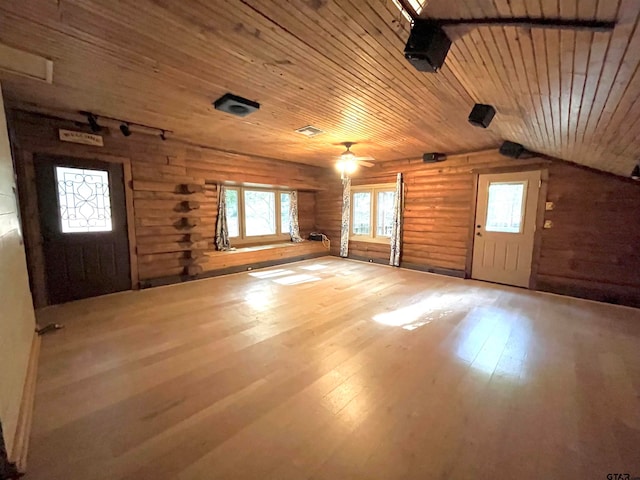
[
  {"x": 450, "y": 272},
  {"x": 18, "y": 455},
  {"x": 162, "y": 281},
  {"x": 361, "y": 258}
]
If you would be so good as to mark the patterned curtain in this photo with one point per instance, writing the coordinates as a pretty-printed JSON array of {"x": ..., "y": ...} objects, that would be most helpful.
[
  {"x": 346, "y": 212},
  {"x": 222, "y": 232},
  {"x": 294, "y": 227},
  {"x": 396, "y": 228}
]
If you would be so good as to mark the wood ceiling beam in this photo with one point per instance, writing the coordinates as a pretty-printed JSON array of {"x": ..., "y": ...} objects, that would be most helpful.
[{"x": 527, "y": 22}]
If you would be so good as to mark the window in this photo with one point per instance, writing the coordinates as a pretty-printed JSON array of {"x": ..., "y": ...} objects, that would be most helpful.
[
  {"x": 361, "y": 223},
  {"x": 372, "y": 212},
  {"x": 505, "y": 207},
  {"x": 257, "y": 214},
  {"x": 83, "y": 199},
  {"x": 416, "y": 5}
]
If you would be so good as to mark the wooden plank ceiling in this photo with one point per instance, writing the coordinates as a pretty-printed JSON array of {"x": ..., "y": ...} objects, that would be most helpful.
[{"x": 338, "y": 65}]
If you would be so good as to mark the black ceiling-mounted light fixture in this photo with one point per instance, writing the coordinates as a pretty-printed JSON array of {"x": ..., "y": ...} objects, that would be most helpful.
[
  {"x": 125, "y": 126},
  {"x": 428, "y": 43},
  {"x": 92, "y": 120},
  {"x": 235, "y": 105},
  {"x": 635, "y": 174},
  {"x": 125, "y": 129}
]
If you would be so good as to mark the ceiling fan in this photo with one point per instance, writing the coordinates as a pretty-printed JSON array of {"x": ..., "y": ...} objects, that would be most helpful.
[{"x": 347, "y": 162}]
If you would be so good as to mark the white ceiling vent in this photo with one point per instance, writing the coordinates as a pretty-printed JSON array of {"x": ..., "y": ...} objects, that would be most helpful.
[
  {"x": 310, "y": 131},
  {"x": 25, "y": 64}
]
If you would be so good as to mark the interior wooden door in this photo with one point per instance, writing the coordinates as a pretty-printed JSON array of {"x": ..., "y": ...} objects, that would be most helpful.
[
  {"x": 505, "y": 227},
  {"x": 84, "y": 227}
]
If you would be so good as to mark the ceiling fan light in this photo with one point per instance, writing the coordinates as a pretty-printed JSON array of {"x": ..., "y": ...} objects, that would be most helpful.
[
  {"x": 347, "y": 166},
  {"x": 350, "y": 165}
]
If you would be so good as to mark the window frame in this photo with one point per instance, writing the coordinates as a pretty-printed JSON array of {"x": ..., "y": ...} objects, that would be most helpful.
[
  {"x": 243, "y": 238},
  {"x": 373, "y": 190}
]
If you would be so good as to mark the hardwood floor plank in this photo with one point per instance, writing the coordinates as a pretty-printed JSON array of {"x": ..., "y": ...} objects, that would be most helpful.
[{"x": 331, "y": 368}]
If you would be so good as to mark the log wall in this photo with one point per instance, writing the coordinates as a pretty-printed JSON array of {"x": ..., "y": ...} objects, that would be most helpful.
[
  {"x": 593, "y": 247},
  {"x": 591, "y": 251},
  {"x": 174, "y": 229}
]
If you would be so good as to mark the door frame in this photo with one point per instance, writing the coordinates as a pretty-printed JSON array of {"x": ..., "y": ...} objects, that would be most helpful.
[
  {"x": 31, "y": 215},
  {"x": 540, "y": 211}
]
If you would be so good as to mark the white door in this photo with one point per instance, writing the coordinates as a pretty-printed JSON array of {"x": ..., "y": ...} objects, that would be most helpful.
[{"x": 505, "y": 227}]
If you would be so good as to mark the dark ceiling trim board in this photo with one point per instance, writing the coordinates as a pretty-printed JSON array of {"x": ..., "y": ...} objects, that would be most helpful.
[
  {"x": 543, "y": 158},
  {"x": 527, "y": 22},
  {"x": 469, "y": 153}
]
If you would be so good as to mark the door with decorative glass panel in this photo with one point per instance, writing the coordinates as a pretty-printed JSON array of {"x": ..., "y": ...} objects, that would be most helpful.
[
  {"x": 83, "y": 225},
  {"x": 505, "y": 227}
]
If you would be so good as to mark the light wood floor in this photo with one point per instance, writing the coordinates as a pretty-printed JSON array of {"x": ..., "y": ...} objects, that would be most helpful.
[{"x": 334, "y": 369}]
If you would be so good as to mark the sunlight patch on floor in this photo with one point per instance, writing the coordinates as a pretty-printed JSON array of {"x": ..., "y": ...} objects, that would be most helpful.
[
  {"x": 272, "y": 273},
  {"x": 314, "y": 267},
  {"x": 259, "y": 299},
  {"x": 494, "y": 343},
  {"x": 296, "y": 279},
  {"x": 418, "y": 314}
]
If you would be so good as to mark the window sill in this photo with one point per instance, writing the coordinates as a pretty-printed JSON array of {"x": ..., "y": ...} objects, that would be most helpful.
[
  {"x": 259, "y": 242},
  {"x": 380, "y": 241},
  {"x": 254, "y": 248}
]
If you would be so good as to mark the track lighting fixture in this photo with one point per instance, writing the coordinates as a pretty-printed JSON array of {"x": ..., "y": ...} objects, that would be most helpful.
[
  {"x": 126, "y": 131},
  {"x": 635, "y": 174},
  {"x": 124, "y": 125},
  {"x": 93, "y": 121}
]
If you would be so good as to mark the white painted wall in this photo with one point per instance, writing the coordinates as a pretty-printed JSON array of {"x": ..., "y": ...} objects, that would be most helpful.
[{"x": 17, "y": 320}]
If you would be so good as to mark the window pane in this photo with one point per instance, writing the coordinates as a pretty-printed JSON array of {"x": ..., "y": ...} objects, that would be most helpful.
[
  {"x": 233, "y": 218},
  {"x": 384, "y": 214},
  {"x": 361, "y": 213},
  {"x": 504, "y": 207},
  {"x": 259, "y": 213},
  {"x": 83, "y": 198},
  {"x": 285, "y": 199}
]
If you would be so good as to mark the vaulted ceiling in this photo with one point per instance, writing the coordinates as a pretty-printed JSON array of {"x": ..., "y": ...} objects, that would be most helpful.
[{"x": 338, "y": 65}]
